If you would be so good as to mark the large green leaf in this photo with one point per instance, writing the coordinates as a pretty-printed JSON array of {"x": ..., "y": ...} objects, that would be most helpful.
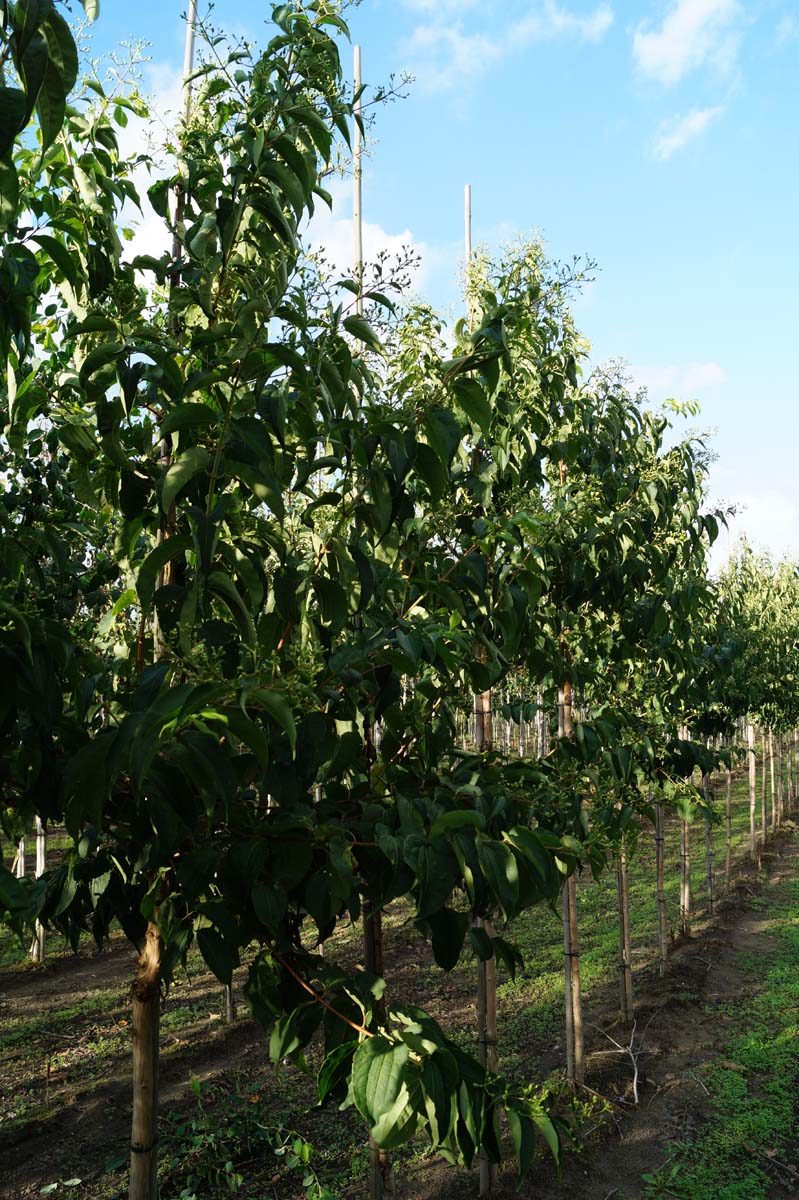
[{"x": 181, "y": 472}]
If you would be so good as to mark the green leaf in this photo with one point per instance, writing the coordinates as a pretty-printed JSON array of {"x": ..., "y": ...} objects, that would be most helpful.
[
  {"x": 183, "y": 469},
  {"x": 60, "y": 255},
  {"x": 522, "y": 1133},
  {"x": 501, "y": 871},
  {"x": 9, "y": 191},
  {"x": 481, "y": 943},
  {"x": 455, "y": 819},
  {"x": 362, "y": 330},
  {"x": 51, "y": 104},
  {"x": 221, "y": 956},
  {"x": 277, "y": 707},
  {"x": 223, "y": 587},
  {"x": 169, "y": 551},
  {"x": 13, "y": 105},
  {"x": 334, "y": 1071},
  {"x": 443, "y": 433},
  {"x": 63, "y": 52},
  {"x": 472, "y": 400},
  {"x": 188, "y": 416},
  {"x": 378, "y": 1074},
  {"x": 448, "y": 929},
  {"x": 91, "y": 8}
]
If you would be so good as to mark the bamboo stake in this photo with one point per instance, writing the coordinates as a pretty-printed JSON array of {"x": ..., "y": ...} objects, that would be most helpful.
[
  {"x": 20, "y": 863},
  {"x": 773, "y": 785},
  {"x": 357, "y": 181},
  {"x": 625, "y": 950},
  {"x": 685, "y": 878},
  {"x": 37, "y": 948},
  {"x": 710, "y": 852},
  {"x": 780, "y": 780},
  {"x": 575, "y": 1067},
  {"x": 728, "y": 832},
  {"x": 660, "y": 871},
  {"x": 763, "y": 789},
  {"x": 750, "y": 738}
]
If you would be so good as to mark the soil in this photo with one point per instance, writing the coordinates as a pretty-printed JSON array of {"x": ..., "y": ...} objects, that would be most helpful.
[{"x": 676, "y": 1032}]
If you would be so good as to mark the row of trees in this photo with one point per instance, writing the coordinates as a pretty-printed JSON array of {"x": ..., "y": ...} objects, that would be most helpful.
[{"x": 265, "y": 534}]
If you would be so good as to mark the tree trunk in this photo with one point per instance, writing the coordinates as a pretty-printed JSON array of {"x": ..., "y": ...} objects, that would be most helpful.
[
  {"x": 660, "y": 868},
  {"x": 19, "y": 869},
  {"x": 625, "y": 950},
  {"x": 685, "y": 878},
  {"x": 146, "y": 998},
  {"x": 750, "y": 738}
]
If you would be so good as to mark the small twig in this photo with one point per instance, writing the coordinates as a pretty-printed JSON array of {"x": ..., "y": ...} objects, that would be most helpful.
[{"x": 699, "y": 1081}]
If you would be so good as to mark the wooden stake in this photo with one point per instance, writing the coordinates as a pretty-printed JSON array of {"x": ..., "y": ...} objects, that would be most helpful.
[
  {"x": 660, "y": 865},
  {"x": 710, "y": 851},
  {"x": 780, "y": 780},
  {"x": 773, "y": 785},
  {"x": 763, "y": 790},
  {"x": 37, "y": 949},
  {"x": 625, "y": 950},
  {"x": 357, "y": 182},
  {"x": 685, "y": 878},
  {"x": 750, "y": 738},
  {"x": 728, "y": 832}
]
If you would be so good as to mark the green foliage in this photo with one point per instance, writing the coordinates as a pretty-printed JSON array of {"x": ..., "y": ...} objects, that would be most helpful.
[{"x": 206, "y": 1149}]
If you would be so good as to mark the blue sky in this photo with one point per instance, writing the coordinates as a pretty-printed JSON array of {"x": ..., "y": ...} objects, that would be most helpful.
[{"x": 657, "y": 137}]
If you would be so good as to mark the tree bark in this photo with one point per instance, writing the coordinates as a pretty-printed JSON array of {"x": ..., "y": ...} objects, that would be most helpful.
[
  {"x": 146, "y": 1002},
  {"x": 230, "y": 1006}
]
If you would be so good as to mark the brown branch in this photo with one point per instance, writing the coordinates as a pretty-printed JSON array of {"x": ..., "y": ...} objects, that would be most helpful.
[{"x": 320, "y": 999}]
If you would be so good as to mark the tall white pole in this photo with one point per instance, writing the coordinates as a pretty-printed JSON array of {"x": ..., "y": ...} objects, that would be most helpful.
[
  {"x": 188, "y": 57},
  {"x": 467, "y": 223},
  {"x": 37, "y": 949},
  {"x": 357, "y": 183}
]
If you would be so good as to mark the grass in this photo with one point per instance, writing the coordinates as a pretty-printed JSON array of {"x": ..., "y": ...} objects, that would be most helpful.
[{"x": 749, "y": 1141}]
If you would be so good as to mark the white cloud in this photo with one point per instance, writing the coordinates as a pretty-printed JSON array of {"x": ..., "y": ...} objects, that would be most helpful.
[
  {"x": 768, "y": 519},
  {"x": 331, "y": 232},
  {"x": 164, "y": 91},
  {"x": 679, "y": 131},
  {"x": 787, "y": 29},
  {"x": 694, "y": 33},
  {"x": 683, "y": 381},
  {"x": 443, "y": 56}
]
